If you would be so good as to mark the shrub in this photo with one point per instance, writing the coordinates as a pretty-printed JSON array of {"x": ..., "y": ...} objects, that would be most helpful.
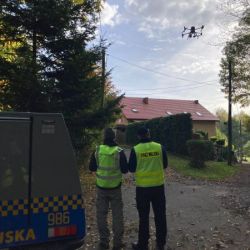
[
  {"x": 199, "y": 151},
  {"x": 224, "y": 155},
  {"x": 210, "y": 151},
  {"x": 220, "y": 142},
  {"x": 196, "y": 136},
  {"x": 213, "y": 138},
  {"x": 246, "y": 148},
  {"x": 203, "y": 134},
  {"x": 131, "y": 133},
  {"x": 172, "y": 131},
  {"x": 221, "y": 135}
]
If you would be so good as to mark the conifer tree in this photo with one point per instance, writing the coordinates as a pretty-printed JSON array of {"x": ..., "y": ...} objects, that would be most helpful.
[{"x": 49, "y": 65}]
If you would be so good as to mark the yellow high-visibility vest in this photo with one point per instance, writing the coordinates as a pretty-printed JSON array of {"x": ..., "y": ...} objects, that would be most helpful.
[
  {"x": 108, "y": 174},
  {"x": 149, "y": 169}
]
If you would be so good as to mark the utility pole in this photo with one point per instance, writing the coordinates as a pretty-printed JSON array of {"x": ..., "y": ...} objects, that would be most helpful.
[
  {"x": 229, "y": 162},
  {"x": 241, "y": 149},
  {"x": 103, "y": 76}
]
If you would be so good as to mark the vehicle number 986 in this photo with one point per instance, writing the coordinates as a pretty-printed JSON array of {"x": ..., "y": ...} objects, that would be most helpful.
[{"x": 60, "y": 218}]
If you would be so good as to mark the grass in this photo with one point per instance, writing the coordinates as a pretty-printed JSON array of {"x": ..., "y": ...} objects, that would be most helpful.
[
  {"x": 212, "y": 171},
  {"x": 248, "y": 159}
]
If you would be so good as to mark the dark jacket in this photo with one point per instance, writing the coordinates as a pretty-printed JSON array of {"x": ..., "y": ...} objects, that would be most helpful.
[{"x": 133, "y": 162}]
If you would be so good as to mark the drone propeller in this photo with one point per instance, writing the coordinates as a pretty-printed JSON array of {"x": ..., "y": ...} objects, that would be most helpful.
[{"x": 193, "y": 32}]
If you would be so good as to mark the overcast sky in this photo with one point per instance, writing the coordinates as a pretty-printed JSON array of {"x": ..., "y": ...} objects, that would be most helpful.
[{"x": 150, "y": 58}]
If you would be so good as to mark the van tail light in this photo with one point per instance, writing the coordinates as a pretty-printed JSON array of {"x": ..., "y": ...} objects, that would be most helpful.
[{"x": 62, "y": 231}]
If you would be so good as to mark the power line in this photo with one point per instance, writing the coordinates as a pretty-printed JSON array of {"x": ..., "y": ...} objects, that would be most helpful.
[
  {"x": 170, "y": 87},
  {"x": 180, "y": 88},
  {"x": 128, "y": 91},
  {"x": 218, "y": 98},
  {"x": 160, "y": 73},
  {"x": 174, "y": 91}
]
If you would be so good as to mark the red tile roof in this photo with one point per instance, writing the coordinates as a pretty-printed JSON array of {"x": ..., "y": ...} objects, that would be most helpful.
[{"x": 135, "y": 109}]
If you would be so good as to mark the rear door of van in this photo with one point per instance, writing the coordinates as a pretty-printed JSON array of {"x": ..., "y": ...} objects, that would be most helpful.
[{"x": 14, "y": 179}]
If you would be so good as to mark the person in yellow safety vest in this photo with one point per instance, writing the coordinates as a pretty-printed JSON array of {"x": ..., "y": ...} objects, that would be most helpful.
[
  {"x": 109, "y": 162},
  {"x": 148, "y": 160}
]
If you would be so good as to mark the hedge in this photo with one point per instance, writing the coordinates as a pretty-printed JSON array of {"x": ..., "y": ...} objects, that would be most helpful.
[{"x": 173, "y": 132}]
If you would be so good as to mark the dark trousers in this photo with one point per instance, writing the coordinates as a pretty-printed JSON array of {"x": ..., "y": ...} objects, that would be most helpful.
[{"x": 155, "y": 196}]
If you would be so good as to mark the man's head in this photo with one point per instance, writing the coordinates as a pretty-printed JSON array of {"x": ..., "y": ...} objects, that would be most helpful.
[
  {"x": 143, "y": 133},
  {"x": 109, "y": 134}
]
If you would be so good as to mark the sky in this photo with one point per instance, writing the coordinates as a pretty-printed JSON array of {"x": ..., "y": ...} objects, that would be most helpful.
[{"x": 149, "y": 58}]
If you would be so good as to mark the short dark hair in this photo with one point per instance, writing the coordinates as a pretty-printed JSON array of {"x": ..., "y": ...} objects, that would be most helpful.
[
  {"x": 109, "y": 134},
  {"x": 142, "y": 131}
]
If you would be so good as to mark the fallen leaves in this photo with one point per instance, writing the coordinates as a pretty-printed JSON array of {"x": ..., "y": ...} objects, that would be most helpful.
[{"x": 189, "y": 234}]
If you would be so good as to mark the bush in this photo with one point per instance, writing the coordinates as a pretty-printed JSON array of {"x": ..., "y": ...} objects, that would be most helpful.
[
  {"x": 220, "y": 142},
  {"x": 210, "y": 151},
  {"x": 131, "y": 133},
  {"x": 199, "y": 151},
  {"x": 213, "y": 138},
  {"x": 172, "y": 131},
  {"x": 221, "y": 135},
  {"x": 246, "y": 149},
  {"x": 224, "y": 155},
  {"x": 196, "y": 136},
  {"x": 203, "y": 134}
]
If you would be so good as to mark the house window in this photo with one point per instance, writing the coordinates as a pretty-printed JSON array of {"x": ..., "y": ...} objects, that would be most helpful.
[
  {"x": 198, "y": 113},
  {"x": 134, "y": 110}
]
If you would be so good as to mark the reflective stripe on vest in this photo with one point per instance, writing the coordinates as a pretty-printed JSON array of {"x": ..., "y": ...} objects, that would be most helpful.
[
  {"x": 149, "y": 169},
  {"x": 108, "y": 173}
]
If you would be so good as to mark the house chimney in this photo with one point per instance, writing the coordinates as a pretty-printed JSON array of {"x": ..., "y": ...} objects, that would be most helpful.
[
  {"x": 145, "y": 100},
  {"x": 196, "y": 101}
]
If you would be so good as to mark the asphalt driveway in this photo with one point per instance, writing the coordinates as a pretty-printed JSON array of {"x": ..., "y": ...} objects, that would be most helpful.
[{"x": 201, "y": 215}]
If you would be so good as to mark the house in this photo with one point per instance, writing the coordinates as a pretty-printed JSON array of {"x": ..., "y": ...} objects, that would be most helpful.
[{"x": 135, "y": 109}]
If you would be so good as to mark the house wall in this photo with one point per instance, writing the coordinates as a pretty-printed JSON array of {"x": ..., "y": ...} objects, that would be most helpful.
[
  {"x": 206, "y": 126},
  {"x": 121, "y": 121}
]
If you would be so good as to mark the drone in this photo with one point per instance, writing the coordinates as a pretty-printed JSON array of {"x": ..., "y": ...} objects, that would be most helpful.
[{"x": 192, "y": 32}]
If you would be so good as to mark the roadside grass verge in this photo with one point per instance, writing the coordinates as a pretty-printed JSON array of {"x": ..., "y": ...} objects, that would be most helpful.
[{"x": 213, "y": 170}]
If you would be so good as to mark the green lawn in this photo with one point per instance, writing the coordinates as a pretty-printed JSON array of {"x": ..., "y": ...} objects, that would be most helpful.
[{"x": 212, "y": 171}]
